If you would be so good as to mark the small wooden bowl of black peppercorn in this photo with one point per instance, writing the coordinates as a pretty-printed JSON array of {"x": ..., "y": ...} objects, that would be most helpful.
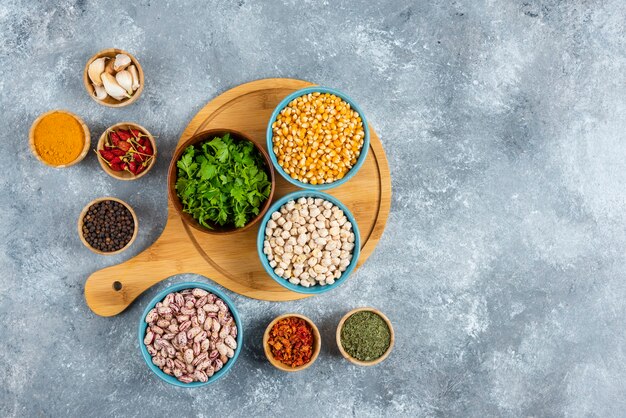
[{"x": 107, "y": 226}]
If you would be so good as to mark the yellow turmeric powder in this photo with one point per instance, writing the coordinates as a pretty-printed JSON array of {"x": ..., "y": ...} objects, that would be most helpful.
[{"x": 59, "y": 138}]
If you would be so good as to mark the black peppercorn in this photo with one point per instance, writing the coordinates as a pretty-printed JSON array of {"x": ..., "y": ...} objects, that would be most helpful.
[{"x": 108, "y": 226}]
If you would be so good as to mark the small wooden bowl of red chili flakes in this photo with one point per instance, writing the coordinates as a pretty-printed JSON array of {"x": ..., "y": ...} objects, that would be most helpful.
[{"x": 292, "y": 342}]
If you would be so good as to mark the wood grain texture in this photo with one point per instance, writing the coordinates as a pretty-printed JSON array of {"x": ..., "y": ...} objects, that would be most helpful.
[{"x": 232, "y": 260}]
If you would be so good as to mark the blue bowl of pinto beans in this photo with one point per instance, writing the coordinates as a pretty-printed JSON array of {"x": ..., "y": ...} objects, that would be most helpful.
[
  {"x": 308, "y": 285},
  {"x": 197, "y": 290}
]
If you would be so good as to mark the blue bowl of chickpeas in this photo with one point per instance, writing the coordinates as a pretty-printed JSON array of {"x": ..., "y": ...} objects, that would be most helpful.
[
  {"x": 317, "y": 138},
  {"x": 309, "y": 242}
]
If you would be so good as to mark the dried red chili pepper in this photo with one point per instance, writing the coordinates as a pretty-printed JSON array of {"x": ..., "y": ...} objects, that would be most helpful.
[
  {"x": 291, "y": 341},
  {"x": 107, "y": 155},
  {"x": 139, "y": 169},
  {"x": 124, "y": 146},
  {"x": 115, "y": 139},
  {"x": 127, "y": 150},
  {"x": 124, "y": 135}
]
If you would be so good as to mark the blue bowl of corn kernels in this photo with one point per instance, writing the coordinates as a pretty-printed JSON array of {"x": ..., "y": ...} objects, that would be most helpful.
[
  {"x": 310, "y": 280},
  {"x": 317, "y": 138}
]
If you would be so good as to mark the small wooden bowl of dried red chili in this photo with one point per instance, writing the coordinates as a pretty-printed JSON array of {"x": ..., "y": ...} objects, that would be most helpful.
[
  {"x": 126, "y": 151},
  {"x": 291, "y": 342}
]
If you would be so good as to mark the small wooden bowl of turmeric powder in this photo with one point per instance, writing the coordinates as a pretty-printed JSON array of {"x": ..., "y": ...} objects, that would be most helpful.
[{"x": 59, "y": 138}]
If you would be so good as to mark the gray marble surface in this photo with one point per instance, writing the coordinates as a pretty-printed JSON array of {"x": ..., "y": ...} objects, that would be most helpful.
[{"x": 502, "y": 266}]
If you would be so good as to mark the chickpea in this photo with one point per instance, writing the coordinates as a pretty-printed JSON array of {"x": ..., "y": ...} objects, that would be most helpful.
[{"x": 309, "y": 243}]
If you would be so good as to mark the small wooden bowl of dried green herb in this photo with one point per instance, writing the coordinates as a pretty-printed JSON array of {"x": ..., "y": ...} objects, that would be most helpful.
[
  {"x": 220, "y": 181},
  {"x": 365, "y": 336}
]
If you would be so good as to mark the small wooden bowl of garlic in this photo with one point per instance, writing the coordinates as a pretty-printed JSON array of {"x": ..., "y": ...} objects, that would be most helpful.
[{"x": 113, "y": 78}]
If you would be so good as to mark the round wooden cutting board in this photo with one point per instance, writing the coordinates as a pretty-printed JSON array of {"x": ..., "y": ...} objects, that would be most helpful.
[{"x": 232, "y": 260}]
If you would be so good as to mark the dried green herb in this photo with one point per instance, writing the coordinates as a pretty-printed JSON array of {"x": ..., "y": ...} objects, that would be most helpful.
[{"x": 365, "y": 336}]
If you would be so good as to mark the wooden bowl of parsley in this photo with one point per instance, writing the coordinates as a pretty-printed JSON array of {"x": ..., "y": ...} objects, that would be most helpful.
[{"x": 221, "y": 181}]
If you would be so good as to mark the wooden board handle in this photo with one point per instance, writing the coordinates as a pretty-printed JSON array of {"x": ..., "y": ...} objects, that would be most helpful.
[{"x": 109, "y": 291}]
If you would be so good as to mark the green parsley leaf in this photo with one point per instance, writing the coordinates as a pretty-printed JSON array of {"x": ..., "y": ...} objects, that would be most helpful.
[
  {"x": 222, "y": 182},
  {"x": 207, "y": 171}
]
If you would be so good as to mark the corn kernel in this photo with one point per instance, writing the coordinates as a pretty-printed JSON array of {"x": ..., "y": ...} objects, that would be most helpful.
[{"x": 317, "y": 138}]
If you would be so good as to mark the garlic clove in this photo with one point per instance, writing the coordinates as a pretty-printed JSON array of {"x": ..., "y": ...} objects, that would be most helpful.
[
  {"x": 108, "y": 68},
  {"x": 95, "y": 69},
  {"x": 135, "y": 75},
  {"x": 112, "y": 87},
  {"x": 125, "y": 79},
  {"x": 121, "y": 62},
  {"x": 99, "y": 92}
]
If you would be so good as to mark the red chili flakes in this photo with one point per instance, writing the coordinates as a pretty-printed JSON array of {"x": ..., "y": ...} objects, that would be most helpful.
[{"x": 291, "y": 341}]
